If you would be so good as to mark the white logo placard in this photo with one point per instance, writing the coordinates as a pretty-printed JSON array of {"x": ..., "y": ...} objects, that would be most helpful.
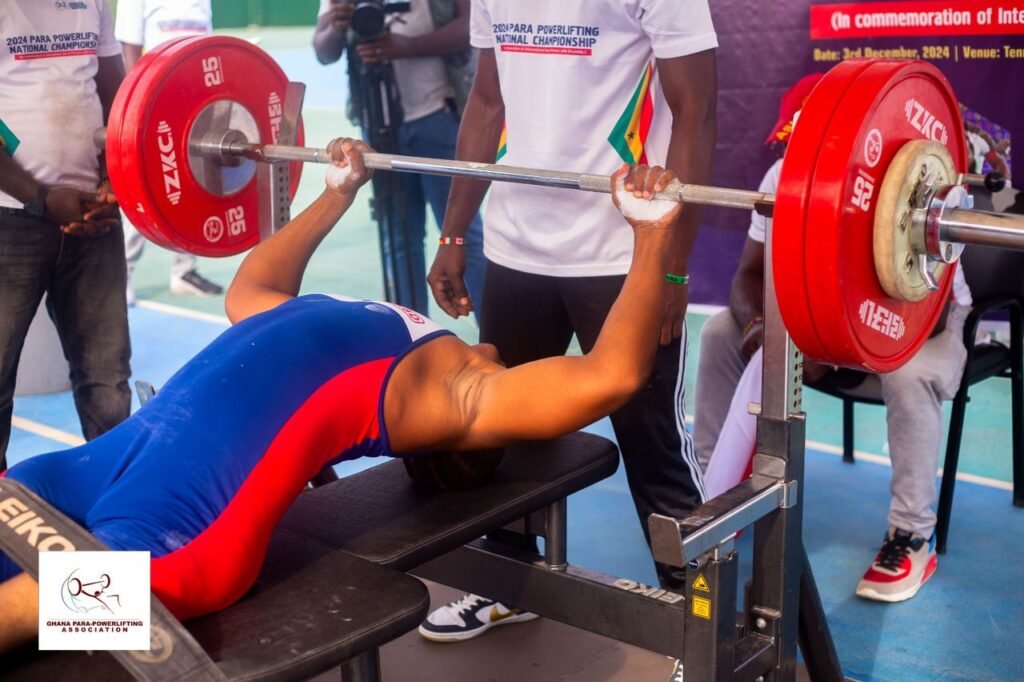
[{"x": 94, "y": 601}]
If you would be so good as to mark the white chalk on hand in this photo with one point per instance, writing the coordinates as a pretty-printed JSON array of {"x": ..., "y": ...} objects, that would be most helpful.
[
  {"x": 337, "y": 175},
  {"x": 646, "y": 210}
]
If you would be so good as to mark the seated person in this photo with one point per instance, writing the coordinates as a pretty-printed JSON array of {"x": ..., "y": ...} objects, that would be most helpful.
[
  {"x": 200, "y": 475},
  {"x": 729, "y": 379}
]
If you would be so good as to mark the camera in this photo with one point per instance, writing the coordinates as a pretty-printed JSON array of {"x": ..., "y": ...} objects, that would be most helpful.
[{"x": 369, "y": 15}]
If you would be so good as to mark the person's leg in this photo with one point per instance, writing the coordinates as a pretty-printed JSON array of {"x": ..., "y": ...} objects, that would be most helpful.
[
  {"x": 719, "y": 368},
  {"x": 28, "y": 250},
  {"x": 19, "y": 604},
  {"x": 409, "y": 208},
  {"x": 734, "y": 447},
  {"x": 661, "y": 465},
  {"x": 182, "y": 264},
  {"x": 134, "y": 243},
  {"x": 436, "y": 139},
  {"x": 523, "y": 316},
  {"x": 87, "y": 303},
  {"x": 913, "y": 397}
]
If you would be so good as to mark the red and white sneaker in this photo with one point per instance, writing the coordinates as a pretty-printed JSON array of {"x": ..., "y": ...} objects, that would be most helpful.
[{"x": 903, "y": 564}]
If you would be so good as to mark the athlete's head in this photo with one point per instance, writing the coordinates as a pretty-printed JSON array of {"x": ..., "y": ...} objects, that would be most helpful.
[{"x": 453, "y": 470}]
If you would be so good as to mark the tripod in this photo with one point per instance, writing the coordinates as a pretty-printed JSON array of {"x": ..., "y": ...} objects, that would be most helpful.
[{"x": 379, "y": 109}]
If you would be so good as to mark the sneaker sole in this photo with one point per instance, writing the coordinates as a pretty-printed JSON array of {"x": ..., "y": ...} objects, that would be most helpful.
[
  {"x": 444, "y": 637},
  {"x": 869, "y": 593}
]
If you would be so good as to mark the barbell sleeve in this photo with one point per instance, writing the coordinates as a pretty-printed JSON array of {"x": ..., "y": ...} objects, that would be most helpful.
[{"x": 968, "y": 226}]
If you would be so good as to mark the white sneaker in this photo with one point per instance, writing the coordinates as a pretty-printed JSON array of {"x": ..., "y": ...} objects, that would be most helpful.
[{"x": 469, "y": 617}]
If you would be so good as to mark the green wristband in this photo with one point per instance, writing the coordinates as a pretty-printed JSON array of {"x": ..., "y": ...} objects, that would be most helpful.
[{"x": 676, "y": 279}]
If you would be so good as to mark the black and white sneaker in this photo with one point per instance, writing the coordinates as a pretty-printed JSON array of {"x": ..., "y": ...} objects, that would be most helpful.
[
  {"x": 469, "y": 617},
  {"x": 195, "y": 284},
  {"x": 677, "y": 671}
]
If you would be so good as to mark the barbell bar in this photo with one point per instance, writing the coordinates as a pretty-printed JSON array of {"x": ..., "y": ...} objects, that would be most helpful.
[{"x": 870, "y": 214}]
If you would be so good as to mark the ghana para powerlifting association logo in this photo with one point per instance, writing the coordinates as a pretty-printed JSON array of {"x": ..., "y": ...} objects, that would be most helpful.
[
  {"x": 82, "y": 595},
  {"x": 94, "y": 601}
]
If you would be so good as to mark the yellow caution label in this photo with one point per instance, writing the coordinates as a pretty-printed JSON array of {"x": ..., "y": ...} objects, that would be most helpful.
[
  {"x": 702, "y": 607},
  {"x": 701, "y": 584}
]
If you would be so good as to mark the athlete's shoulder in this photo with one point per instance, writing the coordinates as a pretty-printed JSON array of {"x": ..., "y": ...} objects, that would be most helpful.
[{"x": 418, "y": 325}]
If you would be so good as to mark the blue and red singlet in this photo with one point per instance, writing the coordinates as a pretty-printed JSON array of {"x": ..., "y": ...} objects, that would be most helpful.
[{"x": 202, "y": 474}]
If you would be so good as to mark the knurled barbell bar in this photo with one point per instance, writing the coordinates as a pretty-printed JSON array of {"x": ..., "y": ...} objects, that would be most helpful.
[{"x": 870, "y": 212}]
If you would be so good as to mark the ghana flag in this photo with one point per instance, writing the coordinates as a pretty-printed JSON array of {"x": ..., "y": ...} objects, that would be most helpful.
[
  {"x": 629, "y": 136},
  {"x": 502, "y": 143}
]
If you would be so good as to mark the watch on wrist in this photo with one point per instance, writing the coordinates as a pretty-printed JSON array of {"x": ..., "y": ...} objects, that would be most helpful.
[{"x": 37, "y": 207}]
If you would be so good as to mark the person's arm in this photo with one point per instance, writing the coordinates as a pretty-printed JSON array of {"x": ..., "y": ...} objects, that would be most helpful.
[
  {"x": 272, "y": 272},
  {"x": 554, "y": 396},
  {"x": 329, "y": 40},
  {"x": 19, "y": 612},
  {"x": 452, "y": 37},
  {"x": 479, "y": 134},
  {"x": 108, "y": 79},
  {"x": 64, "y": 205},
  {"x": 131, "y": 54},
  {"x": 691, "y": 88},
  {"x": 746, "y": 296}
]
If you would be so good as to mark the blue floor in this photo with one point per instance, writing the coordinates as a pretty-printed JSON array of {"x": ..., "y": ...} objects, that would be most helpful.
[{"x": 966, "y": 624}]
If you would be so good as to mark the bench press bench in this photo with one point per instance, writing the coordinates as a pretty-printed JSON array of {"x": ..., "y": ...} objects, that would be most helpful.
[
  {"x": 385, "y": 520},
  {"x": 331, "y": 592}
]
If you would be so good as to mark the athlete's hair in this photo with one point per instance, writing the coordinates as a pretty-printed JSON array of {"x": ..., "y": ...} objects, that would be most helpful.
[{"x": 453, "y": 470}]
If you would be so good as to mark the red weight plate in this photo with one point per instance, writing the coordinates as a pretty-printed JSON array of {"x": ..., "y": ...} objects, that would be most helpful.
[
  {"x": 123, "y": 182},
  {"x": 889, "y": 104},
  {"x": 152, "y": 64},
  {"x": 791, "y": 202},
  {"x": 180, "y": 83}
]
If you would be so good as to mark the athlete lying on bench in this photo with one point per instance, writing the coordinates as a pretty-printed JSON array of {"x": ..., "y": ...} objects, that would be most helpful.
[{"x": 200, "y": 476}]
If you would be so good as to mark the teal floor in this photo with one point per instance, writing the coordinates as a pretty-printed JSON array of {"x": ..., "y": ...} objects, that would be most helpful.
[{"x": 967, "y": 624}]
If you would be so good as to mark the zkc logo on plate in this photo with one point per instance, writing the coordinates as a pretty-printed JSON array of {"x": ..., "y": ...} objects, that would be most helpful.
[{"x": 94, "y": 601}]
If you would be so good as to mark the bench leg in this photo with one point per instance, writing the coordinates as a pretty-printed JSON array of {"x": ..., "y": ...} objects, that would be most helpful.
[
  {"x": 556, "y": 535},
  {"x": 362, "y": 668}
]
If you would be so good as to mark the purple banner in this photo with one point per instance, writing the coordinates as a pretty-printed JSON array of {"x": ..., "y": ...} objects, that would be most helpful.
[{"x": 765, "y": 47}]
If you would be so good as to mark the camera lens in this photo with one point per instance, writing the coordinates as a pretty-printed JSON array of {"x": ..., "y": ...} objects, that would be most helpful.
[{"x": 368, "y": 19}]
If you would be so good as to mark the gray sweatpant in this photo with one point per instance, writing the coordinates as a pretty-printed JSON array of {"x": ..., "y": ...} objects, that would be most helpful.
[
  {"x": 134, "y": 243},
  {"x": 913, "y": 395}
]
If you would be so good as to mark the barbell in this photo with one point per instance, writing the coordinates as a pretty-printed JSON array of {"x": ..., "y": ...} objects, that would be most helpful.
[{"x": 870, "y": 214}]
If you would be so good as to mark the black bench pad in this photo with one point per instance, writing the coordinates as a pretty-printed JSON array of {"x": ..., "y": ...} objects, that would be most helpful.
[
  {"x": 380, "y": 516},
  {"x": 311, "y": 609}
]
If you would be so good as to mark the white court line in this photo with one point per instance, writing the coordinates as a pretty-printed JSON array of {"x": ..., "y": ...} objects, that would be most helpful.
[
  {"x": 183, "y": 312},
  {"x": 704, "y": 308},
  {"x": 46, "y": 431}
]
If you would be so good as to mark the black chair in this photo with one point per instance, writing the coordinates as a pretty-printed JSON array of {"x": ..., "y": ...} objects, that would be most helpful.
[{"x": 996, "y": 278}]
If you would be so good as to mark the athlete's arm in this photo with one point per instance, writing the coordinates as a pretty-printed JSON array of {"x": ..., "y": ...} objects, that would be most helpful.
[
  {"x": 555, "y": 396},
  {"x": 272, "y": 272},
  {"x": 19, "y": 611}
]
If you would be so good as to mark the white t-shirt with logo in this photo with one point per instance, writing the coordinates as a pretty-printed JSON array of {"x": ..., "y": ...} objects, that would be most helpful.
[
  {"x": 151, "y": 22},
  {"x": 48, "y": 63},
  {"x": 759, "y": 227},
  {"x": 570, "y": 73},
  {"x": 422, "y": 82}
]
